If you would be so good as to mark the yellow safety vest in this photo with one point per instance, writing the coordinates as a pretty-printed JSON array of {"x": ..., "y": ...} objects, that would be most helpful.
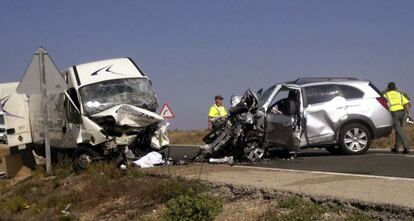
[
  {"x": 216, "y": 111},
  {"x": 396, "y": 100}
]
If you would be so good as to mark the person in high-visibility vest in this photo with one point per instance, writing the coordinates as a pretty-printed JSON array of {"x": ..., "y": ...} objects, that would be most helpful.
[
  {"x": 400, "y": 109},
  {"x": 216, "y": 111}
]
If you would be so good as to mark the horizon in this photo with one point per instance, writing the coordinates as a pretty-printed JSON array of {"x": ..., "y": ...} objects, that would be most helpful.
[{"x": 194, "y": 50}]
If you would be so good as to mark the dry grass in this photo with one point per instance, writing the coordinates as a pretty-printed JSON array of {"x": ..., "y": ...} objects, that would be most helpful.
[
  {"x": 191, "y": 137},
  {"x": 388, "y": 142},
  {"x": 103, "y": 192}
]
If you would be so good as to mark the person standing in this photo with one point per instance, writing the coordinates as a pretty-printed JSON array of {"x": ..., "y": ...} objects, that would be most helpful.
[
  {"x": 216, "y": 111},
  {"x": 400, "y": 109}
]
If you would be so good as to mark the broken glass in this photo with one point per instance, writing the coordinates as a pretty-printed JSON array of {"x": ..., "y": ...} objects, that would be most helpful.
[{"x": 101, "y": 96}]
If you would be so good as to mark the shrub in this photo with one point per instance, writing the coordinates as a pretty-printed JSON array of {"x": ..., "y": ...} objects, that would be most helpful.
[
  {"x": 63, "y": 167},
  {"x": 193, "y": 207},
  {"x": 14, "y": 204}
]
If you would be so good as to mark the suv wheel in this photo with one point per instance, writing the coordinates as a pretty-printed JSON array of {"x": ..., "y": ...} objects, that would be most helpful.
[
  {"x": 253, "y": 150},
  {"x": 355, "y": 139}
]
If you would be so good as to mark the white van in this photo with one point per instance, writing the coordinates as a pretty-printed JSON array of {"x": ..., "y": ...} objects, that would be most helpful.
[
  {"x": 3, "y": 138},
  {"x": 109, "y": 105}
]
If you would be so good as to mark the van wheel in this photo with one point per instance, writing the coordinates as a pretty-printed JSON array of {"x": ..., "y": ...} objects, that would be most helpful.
[
  {"x": 253, "y": 150},
  {"x": 82, "y": 157},
  {"x": 355, "y": 139}
]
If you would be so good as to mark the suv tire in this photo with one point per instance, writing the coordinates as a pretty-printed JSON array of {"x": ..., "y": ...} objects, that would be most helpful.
[{"x": 355, "y": 139}]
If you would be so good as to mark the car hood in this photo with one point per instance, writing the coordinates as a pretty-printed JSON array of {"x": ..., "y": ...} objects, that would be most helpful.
[{"x": 128, "y": 115}]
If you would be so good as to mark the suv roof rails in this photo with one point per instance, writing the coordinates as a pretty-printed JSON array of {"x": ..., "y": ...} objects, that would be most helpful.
[{"x": 317, "y": 79}]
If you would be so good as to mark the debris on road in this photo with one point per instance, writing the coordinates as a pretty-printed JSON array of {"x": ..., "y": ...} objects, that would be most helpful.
[
  {"x": 149, "y": 160},
  {"x": 225, "y": 160}
]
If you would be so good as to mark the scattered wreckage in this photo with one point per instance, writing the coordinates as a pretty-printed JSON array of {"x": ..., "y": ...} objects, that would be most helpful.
[
  {"x": 342, "y": 115},
  {"x": 108, "y": 110}
]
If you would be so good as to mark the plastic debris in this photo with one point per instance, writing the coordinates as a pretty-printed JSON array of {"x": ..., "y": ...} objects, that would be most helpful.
[
  {"x": 228, "y": 160},
  {"x": 65, "y": 211}
]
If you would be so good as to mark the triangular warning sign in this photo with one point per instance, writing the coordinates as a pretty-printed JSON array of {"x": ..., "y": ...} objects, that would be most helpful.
[
  {"x": 53, "y": 80},
  {"x": 166, "y": 112}
]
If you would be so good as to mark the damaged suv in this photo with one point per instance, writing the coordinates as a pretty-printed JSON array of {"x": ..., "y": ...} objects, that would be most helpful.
[{"x": 342, "y": 115}]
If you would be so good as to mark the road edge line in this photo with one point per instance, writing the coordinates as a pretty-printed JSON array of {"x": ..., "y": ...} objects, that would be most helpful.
[{"x": 328, "y": 173}]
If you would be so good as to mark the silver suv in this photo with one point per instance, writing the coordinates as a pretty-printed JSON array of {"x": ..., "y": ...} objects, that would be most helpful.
[{"x": 342, "y": 115}]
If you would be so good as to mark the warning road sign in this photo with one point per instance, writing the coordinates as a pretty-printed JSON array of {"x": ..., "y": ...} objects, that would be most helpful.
[{"x": 166, "y": 112}]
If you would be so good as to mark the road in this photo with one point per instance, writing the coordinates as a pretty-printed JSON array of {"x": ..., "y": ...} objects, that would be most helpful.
[
  {"x": 374, "y": 162},
  {"x": 377, "y": 177}
]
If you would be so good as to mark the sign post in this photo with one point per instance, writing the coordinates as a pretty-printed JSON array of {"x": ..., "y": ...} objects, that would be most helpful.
[{"x": 42, "y": 77}]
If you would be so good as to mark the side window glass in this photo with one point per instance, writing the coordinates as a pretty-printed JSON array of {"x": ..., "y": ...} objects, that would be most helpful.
[
  {"x": 350, "y": 92},
  {"x": 72, "y": 114},
  {"x": 321, "y": 93}
]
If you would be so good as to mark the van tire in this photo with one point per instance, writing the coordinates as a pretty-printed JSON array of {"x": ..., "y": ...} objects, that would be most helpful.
[
  {"x": 355, "y": 139},
  {"x": 82, "y": 157}
]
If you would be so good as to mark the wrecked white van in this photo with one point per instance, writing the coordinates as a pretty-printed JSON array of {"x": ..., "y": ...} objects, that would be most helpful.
[{"x": 109, "y": 106}]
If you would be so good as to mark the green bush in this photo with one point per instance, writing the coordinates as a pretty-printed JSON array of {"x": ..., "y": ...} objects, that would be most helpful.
[{"x": 193, "y": 207}]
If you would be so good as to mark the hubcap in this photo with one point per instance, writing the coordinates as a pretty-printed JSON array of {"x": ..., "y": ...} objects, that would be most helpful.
[
  {"x": 253, "y": 152},
  {"x": 355, "y": 139},
  {"x": 84, "y": 160}
]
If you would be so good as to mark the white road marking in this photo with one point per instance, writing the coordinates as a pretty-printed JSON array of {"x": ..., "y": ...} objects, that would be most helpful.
[
  {"x": 329, "y": 173},
  {"x": 394, "y": 155}
]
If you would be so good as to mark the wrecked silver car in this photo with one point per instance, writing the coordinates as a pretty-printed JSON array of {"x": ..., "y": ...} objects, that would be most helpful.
[{"x": 342, "y": 115}]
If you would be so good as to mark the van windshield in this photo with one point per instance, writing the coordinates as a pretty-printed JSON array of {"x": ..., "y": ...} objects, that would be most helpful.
[{"x": 101, "y": 96}]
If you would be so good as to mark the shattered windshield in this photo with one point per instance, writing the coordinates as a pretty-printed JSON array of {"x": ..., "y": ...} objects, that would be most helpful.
[
  {"x": 266, "y": 95},
  {"x": 104, "y": 95}
]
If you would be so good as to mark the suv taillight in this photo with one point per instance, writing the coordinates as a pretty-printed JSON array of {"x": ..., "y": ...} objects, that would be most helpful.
[{"x": 383, "y": 101}]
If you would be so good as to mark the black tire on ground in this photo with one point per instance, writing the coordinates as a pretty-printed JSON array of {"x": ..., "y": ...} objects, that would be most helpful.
[
  {"x": 82, "y": 157},
  {"x": 334, "y": 149},
  {"x": 355, "y": 139}
]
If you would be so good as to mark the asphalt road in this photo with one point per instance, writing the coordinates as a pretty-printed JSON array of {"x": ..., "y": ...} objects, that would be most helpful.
[{"x": 374, "y": 162}]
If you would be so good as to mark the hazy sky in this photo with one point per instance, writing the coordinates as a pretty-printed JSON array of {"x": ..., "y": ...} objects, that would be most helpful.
[{"x": 193, "y": 50}]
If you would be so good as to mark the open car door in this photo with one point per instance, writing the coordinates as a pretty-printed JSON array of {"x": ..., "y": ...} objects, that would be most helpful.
[{"x": 279, "y": 132}]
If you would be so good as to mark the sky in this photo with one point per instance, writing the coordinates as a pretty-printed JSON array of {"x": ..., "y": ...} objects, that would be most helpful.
[{"x": 194, "y": 50}]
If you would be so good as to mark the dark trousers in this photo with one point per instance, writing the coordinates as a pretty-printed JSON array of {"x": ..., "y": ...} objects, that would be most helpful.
[{"x": 398, "y": 118}]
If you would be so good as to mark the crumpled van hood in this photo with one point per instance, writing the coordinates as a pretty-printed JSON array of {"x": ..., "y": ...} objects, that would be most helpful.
[{"x": 129, "y": 115}]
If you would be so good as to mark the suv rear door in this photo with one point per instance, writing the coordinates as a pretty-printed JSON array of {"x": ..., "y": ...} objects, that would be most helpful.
[{"x": 324, "y": 107}]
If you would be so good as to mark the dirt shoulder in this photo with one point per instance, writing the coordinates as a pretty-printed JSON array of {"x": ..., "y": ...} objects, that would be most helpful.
[{"x": 369, "y": 190}]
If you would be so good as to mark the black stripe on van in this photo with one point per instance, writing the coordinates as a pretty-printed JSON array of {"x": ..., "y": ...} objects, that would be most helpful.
[
  {"x": 133, "y": 62},
  {"x": 75, "y": 70}
]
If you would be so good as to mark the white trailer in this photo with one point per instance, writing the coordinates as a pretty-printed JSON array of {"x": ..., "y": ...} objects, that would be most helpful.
[{"x": 109, "y": 105}]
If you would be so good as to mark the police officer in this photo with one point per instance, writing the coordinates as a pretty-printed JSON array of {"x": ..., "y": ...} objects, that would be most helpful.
[
  {"x": 400, "y": 108},
  {"x": 216, "y": 111}
]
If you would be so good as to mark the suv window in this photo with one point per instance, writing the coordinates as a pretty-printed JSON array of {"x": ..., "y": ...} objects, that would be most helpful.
[
  {"x": 350, "y": 92},
  {"x": 321, "y": 93}
]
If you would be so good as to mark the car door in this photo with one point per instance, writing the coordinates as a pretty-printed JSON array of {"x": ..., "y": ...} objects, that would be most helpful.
[
  {"x": 279, "y": 131},
  {"x": 324, "y": 108},
  {"x": 279, "y": 128}
]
